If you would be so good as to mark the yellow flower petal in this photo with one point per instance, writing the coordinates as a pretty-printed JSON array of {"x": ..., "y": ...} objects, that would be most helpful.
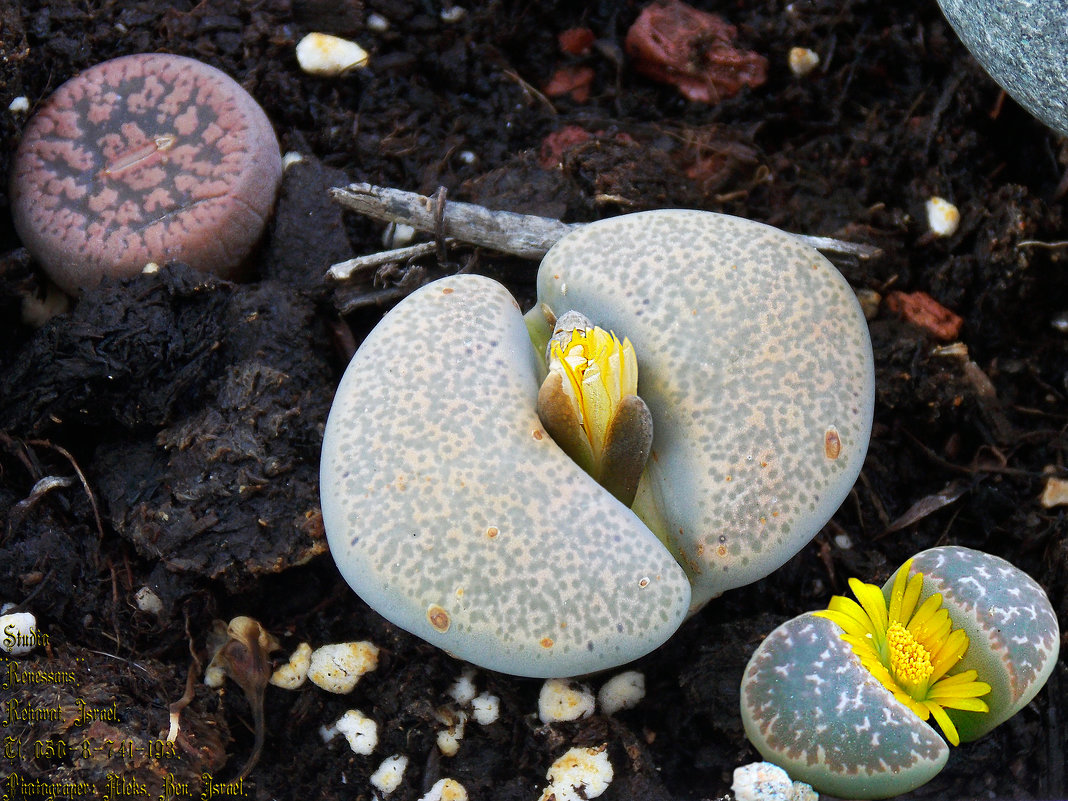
[
  {"x": 944, "y": 723},
  {"x": 949, "y": 654},
  {"x": 966, "y": 704},
  {"x": 911, "y": 596},
  {"x": 925, "y": 614},
  {"x": 898, "y": 592},
  {"x": 874, "y": 603},
  {"x": 847, "y": 622}
]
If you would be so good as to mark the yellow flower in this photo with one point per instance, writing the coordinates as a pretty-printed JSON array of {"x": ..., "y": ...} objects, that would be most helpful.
[
  {"x": 589, "y": 404},
  {"x": 600, "y": 372},
  {"x": 910, "y": 650}
]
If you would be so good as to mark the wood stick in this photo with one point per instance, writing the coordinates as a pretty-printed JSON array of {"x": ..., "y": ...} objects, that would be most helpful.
[
  {"x": 344, "y": 270},
  {"x": 523, "y": 235}
]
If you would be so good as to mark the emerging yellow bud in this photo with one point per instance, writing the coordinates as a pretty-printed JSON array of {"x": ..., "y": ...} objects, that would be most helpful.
[
  {"x": 589, "y": 404},
  {"x": 600, "y": 372}
]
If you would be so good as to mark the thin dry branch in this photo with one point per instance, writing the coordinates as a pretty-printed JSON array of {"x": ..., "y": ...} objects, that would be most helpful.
[{"x": 523, "y": 235}]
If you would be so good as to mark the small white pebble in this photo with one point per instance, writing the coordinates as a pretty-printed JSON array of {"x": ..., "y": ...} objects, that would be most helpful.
[
  {"x": 579, "y": 774},
  {"x": 624, "y": 691},
  {"x": 397, "y": 235},
  {"x": 843, "y": 541},
  {"x": 802, "y": 61},
  {"x": 290, "y": 158},
  {"x": 20, "y": 105},
  {"x": 453, "y": 14},
  {"x": 463, "y": 689},
  {"x": 336, "y": 668},
  {"x": 360, "y": 731},
  {"x": 761, "y": 781},
  {"x": 388, "y": 776},
  {"x": 328, "y": 56},
  {"x": 560, "y": 701},
  {"x": 1055, "y": 493},
  {"x": 485, "y": 708},
  {"x": 446, "y": 790},
  {"x": 954, "y": 350},
  {"x": 377, "y": 23},
  {"x": 215, "y": 676},
  {"x": 942, "y": 217},
  {"x": 291, "y": 675},
  {"x": 147, "y": 601},
  {"x": 448, "y": 740},
  {"x": 18, "y": 633},
  {"x": 151, "y": 268}
]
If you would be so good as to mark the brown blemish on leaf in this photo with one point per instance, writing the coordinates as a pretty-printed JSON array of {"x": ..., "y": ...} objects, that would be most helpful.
[
  {"x": 832, "y": 443},
  {"x": 438, "y": 618}
]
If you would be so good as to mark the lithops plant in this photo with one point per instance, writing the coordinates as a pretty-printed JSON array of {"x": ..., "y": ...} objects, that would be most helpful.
[
  {"x": 451, "y": 510},
  {"x": 144, "y": 159},
  {"x": 1007, "y": 617},
  {"x": 1022, "y": 44},
  {"x": 839, "y": 698}
]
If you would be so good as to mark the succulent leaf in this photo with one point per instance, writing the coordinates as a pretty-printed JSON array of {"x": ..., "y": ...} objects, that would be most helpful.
[
  {"x": 755, "y": 360},
  {"x": 811, "y": 707},
  {"x": 1013, "y": 634},
  {"x": 452, "y": 513}
]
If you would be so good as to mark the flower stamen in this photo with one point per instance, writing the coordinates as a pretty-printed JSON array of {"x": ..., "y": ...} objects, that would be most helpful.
[{"x": 910, "y": 662}]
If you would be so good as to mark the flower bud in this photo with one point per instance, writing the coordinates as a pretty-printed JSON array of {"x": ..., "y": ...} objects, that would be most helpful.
[{"x": 589, "y": 404}]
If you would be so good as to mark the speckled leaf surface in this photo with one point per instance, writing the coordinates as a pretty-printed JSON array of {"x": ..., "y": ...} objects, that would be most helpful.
[
  {"x": 811, "y": 707},
  {"x": 1024, "y": 47},
  {"x": 452, "y": 513},
  {"x": 755, "y": 361},
  {"x": 1014, "y": 637}
]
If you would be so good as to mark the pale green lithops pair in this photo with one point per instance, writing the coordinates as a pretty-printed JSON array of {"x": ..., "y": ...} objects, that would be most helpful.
[
  {"x": 839, "y": 698},
  {"x": 452, "y": 511}
]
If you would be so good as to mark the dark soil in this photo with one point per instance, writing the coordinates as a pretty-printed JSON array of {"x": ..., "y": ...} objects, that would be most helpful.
[{"x": 183, "y": 414}]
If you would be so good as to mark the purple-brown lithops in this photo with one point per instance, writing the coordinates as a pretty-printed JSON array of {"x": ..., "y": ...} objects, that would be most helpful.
[
  {"x": 144, "y": 159},
  {"x": 451, "y": 510}
]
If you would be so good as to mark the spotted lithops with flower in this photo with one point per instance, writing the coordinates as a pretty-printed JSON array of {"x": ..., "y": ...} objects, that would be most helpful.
[
  {"x": 839, "y": 698},
  {"x": 1009, "y": 621},
  {"x": 478, "y": 468}
]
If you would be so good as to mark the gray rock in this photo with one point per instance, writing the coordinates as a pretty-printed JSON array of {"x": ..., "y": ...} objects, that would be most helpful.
[{"x": 1023, "y": 44}]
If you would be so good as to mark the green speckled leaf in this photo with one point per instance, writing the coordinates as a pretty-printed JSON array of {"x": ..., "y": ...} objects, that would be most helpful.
[
  {"x": 453, "y": 514},
  {"x": 755, "y": 361},
  {"x": 1014, "y": 638},
  {"x": 812, "y": 708}
]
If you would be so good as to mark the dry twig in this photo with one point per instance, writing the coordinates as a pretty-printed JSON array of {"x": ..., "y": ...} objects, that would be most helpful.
[{"x": 523, "y": 235}]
